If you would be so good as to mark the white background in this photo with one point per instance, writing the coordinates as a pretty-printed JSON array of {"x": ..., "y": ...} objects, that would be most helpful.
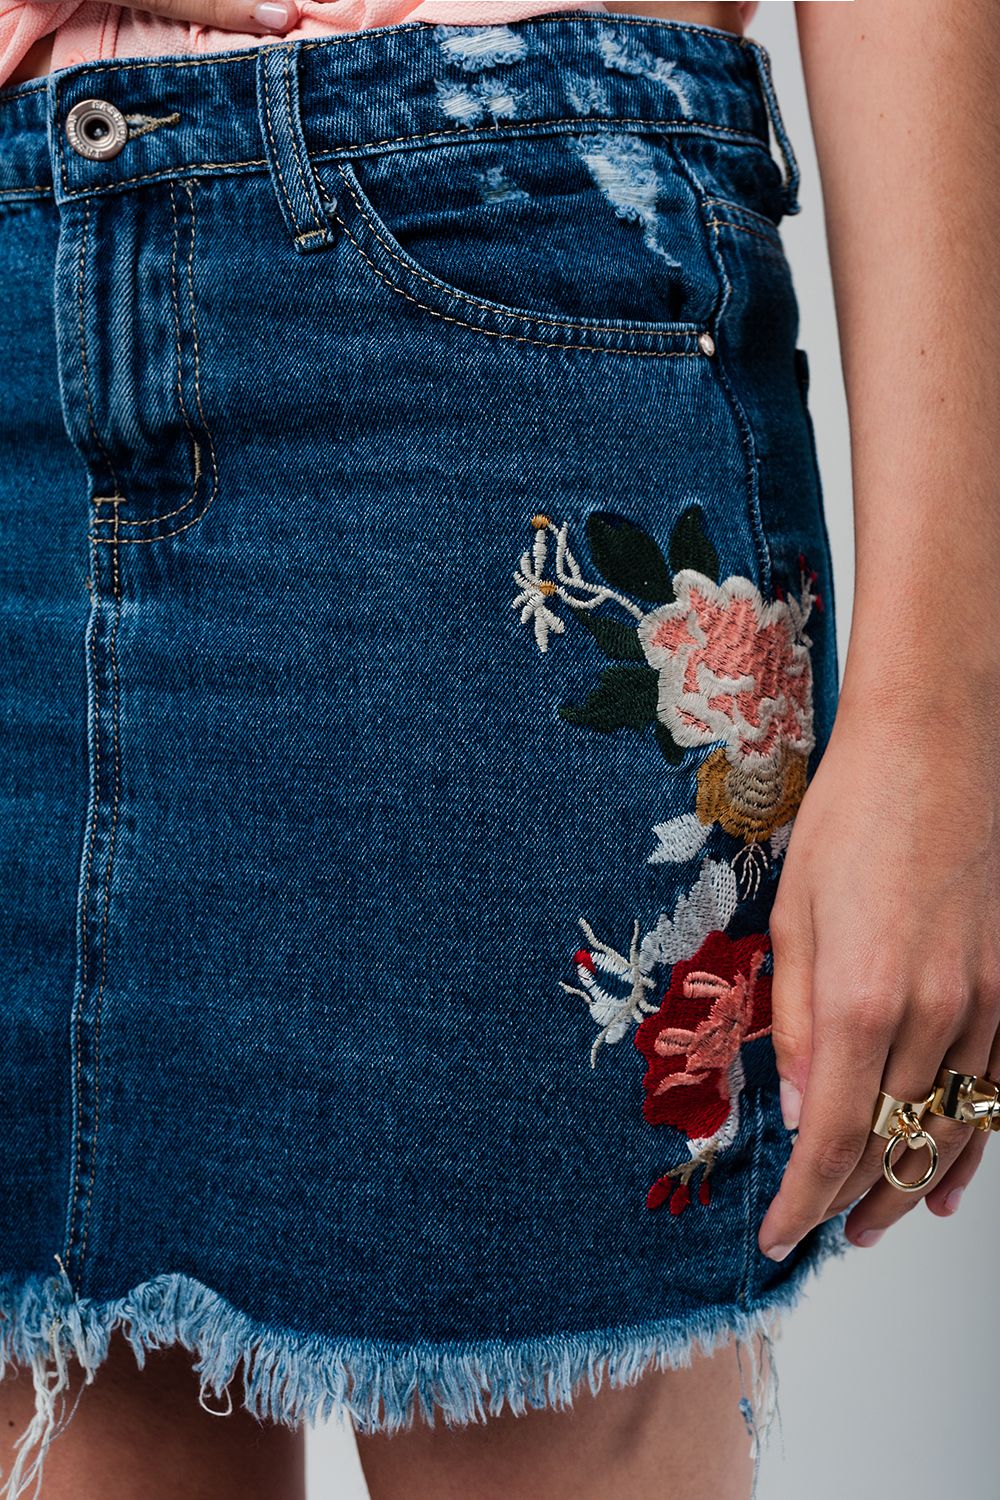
[{"x": 888, "y": 1365}]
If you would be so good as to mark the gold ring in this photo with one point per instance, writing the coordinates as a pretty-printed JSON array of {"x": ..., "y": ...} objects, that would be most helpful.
[
  {"x": 915, "y": 1139},
  {"x": 972, "y": 1099},
  {"x": 899, "y": 1120}
]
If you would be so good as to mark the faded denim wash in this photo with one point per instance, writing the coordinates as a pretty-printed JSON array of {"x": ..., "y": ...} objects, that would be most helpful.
[{"x": 418, "y": 632}]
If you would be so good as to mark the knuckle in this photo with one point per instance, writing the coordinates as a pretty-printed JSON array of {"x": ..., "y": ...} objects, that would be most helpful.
[
  {"x": 942, "y": 1009},
  {"x": 951, "y": 1138},
  {"x": 781, "y": 920},
  {"x": 221, "y": 13},
  {"x": 988, "y": 990},
  {"x": 835, "y": 1158},
  {"x": 857, "y": 998},
  {"x": 866, "y": 1017},
  {"x": 786, "y": 1039}
]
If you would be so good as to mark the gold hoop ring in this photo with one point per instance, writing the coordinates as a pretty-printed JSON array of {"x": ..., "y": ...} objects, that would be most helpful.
[
  {"x": 915, "y": 1140},
  {"x": 900, "y": 1120}
]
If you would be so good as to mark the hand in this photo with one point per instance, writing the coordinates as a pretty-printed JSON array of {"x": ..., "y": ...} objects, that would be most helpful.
[
  {"x": 227, "y": 15},
  {"x": 886, "y": 939}
]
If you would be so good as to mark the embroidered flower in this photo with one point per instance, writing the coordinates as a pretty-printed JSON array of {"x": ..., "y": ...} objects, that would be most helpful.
[
  {"x": 616, "y": 985},
  {"x": 717, "y": 1000},
  {"x": 754, "y": 799},
  {"x": 536, "y": 590},
  {"x": 702, "y": 663},
  {"x": 600, "y": 964},
  {"x": 693, "y": 663},
  {"x": 731, "y": 667}
]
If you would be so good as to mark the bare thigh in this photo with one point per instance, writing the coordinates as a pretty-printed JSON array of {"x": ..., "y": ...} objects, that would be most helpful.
[
  {"x": 676, "y": 1434},
  {"x": 142, "y": 1435}
]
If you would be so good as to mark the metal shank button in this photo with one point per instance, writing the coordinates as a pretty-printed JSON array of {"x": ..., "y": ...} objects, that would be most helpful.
[{"x": 96, "y": 129}]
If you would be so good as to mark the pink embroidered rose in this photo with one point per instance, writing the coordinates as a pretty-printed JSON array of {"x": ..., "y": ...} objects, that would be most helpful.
[{"x": 731, "y": 667}]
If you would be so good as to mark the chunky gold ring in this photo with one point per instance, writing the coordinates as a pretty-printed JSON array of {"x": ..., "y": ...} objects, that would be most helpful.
[
  {"x": 972, "y": 1099},
  {"x": 899, "y": 1120}
]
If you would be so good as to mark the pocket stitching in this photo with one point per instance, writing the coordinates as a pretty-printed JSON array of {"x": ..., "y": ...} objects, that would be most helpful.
[
  {"x": 650, "y": 331},
  {"x": 773, "y": 240},
  {"x": 519, "y": 338},
  {"x": 740, "y": 208},
  {"x": 552, "y": 124},
  {"x": 114, "y": 521}
]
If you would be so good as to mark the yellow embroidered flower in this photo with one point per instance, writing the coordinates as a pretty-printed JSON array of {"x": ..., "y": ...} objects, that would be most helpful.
[{"x": 750, "y": 800}]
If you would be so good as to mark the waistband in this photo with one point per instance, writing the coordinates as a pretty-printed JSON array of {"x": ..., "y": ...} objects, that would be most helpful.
[{"x": 280, "y": 106}]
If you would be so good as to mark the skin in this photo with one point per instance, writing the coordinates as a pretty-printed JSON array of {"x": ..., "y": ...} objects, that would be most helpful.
[
  {"x": 684, "y": 1424},
  {"x": 145, "y": 1437},
  {"x": 886, "y": 926}
]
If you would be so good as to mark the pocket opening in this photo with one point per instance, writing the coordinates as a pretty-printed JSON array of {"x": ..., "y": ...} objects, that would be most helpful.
[{"x": 526, "y": 234}]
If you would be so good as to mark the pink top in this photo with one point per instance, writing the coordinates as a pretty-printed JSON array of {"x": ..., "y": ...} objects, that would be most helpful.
[{"x": 85, "y": 30}]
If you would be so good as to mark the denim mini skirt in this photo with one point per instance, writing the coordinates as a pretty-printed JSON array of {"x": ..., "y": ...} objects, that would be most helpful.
[{"x": 418, "y": 635}]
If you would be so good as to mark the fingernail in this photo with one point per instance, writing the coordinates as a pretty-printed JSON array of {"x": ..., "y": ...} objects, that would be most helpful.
[
  {"x": 272, "y": 13},
  {"x": 869, "y": 1237},
  {"x": 778, "y": 1252},
  {"x": 791, "y": 1104},
  {"x": 953, "y": 1199}
]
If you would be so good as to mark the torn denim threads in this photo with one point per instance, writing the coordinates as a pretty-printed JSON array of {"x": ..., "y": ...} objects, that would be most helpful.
[{"x": 419, "y": 634}]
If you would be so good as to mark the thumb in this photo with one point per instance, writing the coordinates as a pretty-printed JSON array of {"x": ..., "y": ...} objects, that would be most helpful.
[
  {"x": 791, "y": 998},
  {"x": 263, "y": 16}
]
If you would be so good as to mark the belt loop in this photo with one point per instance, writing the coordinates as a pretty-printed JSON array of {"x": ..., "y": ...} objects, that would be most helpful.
[
  {"x": 762, "y": 62},
  {"x": 292, "y": 175}
]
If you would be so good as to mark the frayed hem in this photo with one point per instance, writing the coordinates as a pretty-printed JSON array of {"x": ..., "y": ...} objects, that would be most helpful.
[{"x": 294, "y": 1379}]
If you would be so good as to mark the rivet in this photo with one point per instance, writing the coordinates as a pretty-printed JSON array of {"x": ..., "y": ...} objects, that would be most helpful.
[{"x": 706, "y": 343}]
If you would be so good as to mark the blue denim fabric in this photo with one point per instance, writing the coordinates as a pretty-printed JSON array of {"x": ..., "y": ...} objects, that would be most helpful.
[{"x": 368, "y": 414}]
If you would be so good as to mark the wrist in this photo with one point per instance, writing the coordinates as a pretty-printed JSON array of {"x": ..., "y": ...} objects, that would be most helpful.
[
  {"x": 920, "y": 682},
  {"x": 923, "y": 639}
]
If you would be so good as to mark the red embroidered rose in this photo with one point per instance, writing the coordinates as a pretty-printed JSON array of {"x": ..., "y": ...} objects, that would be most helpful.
[{"x": 717, "y": 1000}]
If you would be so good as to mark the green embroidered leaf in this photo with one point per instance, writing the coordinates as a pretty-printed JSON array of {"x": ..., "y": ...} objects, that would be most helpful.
[
  {"x": 690, "y": 546},
  {"x": 624, "y": 698},
  {"x": 618, "y": 639},
  {"x": 672, "y": 752},
  {"x": 627, "y": 557}
]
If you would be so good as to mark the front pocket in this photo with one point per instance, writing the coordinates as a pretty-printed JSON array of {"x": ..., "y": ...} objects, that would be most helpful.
[{"x": 584, "y": 238}]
